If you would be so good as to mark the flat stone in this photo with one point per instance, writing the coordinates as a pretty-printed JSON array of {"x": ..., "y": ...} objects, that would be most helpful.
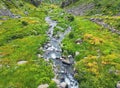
[
  {"x": 66, "y": 62},
  {"x": 69, "y": 56},
  {"x": 43, "y": 86},
  {"x": 22, "y": 62},
  {"x": 53, "y": 55},
  {"x": 63, "y": 85}
]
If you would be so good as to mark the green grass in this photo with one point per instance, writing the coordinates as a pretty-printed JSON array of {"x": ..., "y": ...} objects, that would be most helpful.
[
  {"x": 97, "y": 65},
  {"x": 30, "y": 75},
  {"x": 98, "y": 61},
  {"x": 113, "y": 21},
  {"x": 20, "y": 40}
]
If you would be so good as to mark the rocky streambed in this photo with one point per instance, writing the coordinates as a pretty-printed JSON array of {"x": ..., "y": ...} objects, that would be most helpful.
[{"x": 62, "y": 65}]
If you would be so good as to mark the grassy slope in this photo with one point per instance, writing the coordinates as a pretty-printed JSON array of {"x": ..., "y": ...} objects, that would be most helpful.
[
  {"x": 102, "y": 7},
  {"x": 53, "y": 1},
  {"x": 113, "y": 21},
  {"x": 97, "y": 64},
  {"x": 20, "y": 39}
]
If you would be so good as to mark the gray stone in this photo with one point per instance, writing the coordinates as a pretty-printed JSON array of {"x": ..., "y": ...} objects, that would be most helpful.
[
  {"x": 77, "y": 53},
  {"x": 43, "y": 86},
  {"x": 66, "y": 62},
  {"x": 63, "y": 85},
  {"x": 22, "y": 62}
]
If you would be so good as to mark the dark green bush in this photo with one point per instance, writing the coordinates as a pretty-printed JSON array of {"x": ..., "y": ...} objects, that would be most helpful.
[
  {"x": 71, "y": 35},
  {"x": 24, "y": 23}
]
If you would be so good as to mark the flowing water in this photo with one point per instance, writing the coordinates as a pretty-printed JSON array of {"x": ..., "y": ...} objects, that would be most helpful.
[{"x": 63, "y": 68}]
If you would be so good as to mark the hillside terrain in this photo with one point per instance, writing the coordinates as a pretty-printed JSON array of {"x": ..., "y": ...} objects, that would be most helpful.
[
  {"x": 95, "y": 7},
  {"x": 86, "y": 30}
]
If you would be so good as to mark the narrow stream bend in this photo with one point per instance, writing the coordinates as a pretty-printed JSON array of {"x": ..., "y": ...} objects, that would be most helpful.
[{"x": 63, "y": 68}]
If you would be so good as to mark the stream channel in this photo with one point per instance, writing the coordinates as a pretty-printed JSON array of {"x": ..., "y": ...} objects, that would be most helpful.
[{"x": 63, "y": 68}]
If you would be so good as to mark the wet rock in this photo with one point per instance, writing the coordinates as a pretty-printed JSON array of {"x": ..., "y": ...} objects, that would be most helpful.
[
  {"x": 63, "y": 85},
  {"x": 22, "y": 62},
  {"x": 62, "y": 72},
  {"x": 118, "y": 84},
  {"x": 71, "y": 60},
  {"x": 69, "y": 56},
  {"x": 61, "y": 58},
  {"x": 49, "y": 45},
  {"x": 66, "y": 62},
  {"x": 43, "y": 86},
  {"x": 53, "y": 55},
  {"x": 46, "y": 46}
]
